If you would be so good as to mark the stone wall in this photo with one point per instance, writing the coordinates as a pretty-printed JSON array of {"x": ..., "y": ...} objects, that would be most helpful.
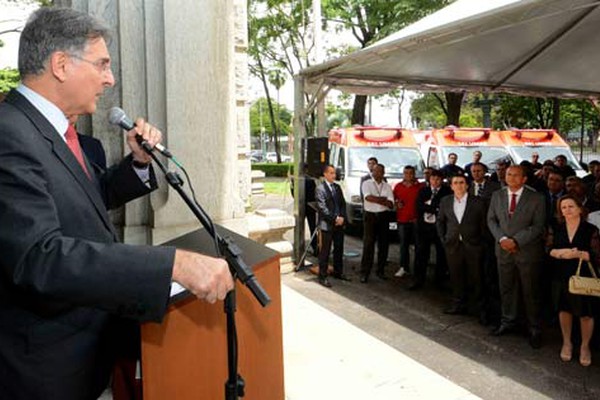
[{"x": 183, "y": 66}]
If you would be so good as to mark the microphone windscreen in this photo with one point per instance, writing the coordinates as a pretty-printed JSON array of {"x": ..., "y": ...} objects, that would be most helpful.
[{"x": 116, "y": 116}]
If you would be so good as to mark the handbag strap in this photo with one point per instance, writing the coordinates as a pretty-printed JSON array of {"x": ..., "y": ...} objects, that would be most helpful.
[
  {"x": 589, "y": 264},
  {"x": 592, "y": 270}
]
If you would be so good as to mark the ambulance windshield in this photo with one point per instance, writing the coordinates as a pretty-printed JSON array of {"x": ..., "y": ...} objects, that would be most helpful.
[{"x": 393, "y": 158}]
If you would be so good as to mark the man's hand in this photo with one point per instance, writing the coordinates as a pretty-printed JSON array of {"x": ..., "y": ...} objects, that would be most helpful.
[
  {"x": 149, "y": 133},
  {"x": 509, "y": 245},
  {"x": 339, "y": 221},
  {"x": 208, "y": 278}
]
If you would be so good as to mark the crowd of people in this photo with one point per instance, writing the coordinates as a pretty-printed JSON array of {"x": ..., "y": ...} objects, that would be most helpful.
[{"x": 507, "y": 242}]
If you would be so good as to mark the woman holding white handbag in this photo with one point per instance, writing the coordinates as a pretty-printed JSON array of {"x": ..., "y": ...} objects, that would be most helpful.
[{"x": 574, "y": 239}]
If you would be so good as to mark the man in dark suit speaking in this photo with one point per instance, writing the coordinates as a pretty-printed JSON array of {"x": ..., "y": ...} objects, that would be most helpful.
[
  {"x": 63, "y": 276},
  {"x": 516, "y": 218}
]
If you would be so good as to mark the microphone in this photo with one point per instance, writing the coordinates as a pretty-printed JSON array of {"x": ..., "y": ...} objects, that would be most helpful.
[{"x": 117, "y": 116}]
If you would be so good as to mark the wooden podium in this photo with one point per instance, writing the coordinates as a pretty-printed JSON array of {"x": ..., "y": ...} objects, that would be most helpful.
[{"x": 185, "y": 357}]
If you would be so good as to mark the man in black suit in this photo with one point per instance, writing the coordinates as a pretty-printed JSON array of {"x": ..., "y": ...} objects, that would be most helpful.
[
  {"x": 332, "y": 216},
  {"x": 64, "y": 275},
  {"x": 480, "y": 185},
  {"x": 476, "y": 160},
  {"x": 461, "y": 226},
  {"x": 562, "y": 165},
  {"x": 575, "y": 187},
  {"x": 483, "y": 188},
  {"x": 428, "y": 202},
  {"x": 451, "y": 169},
  {"x": 516, "y": 218},
  {"x": 500, "y": 174},
  {"x": 555, "y": 189}
]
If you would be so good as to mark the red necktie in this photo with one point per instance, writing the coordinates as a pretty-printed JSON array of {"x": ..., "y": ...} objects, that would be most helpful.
[
  {"x": 513, "y": 204},
  {"x": 75, "y": 147}
]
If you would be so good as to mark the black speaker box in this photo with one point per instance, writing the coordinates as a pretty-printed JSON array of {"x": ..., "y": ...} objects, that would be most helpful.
[{"x": 317, "y": 155}]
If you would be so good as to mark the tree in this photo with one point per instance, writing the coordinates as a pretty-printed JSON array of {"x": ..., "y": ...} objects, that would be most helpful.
[
  {"x": 260, "y": 122},
  {"x": 9, "y": 77},
  {"x": 279, "y": 42},
  {"x": 371, "y": 20},
  {"x": 433, "y": 110}
]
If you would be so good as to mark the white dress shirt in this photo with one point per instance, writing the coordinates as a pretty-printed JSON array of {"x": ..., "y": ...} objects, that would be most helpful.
[
  {"x": 460, "y": 205},
  {"x": 383, "y": 189}
]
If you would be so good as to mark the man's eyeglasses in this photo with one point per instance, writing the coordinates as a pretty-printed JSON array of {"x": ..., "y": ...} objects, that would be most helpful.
[{"x": 102, "y": 65}]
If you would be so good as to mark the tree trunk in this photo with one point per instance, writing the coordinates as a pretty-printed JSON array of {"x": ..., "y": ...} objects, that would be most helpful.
[
  {"x": 275, "y": 132},
  {"x": 454, "y": 102},
  {"x": 556, "y": 114},
  {"x": 358, "y": 111}
]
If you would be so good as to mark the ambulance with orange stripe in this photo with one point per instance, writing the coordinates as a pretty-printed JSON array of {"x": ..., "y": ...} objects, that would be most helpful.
[
  {"x": 522, "y": 143},
  {"x": 438, "y": 144},
  {"x": 350, "y": 148}
]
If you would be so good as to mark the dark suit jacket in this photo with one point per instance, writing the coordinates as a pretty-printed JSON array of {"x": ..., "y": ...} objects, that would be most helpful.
[
  {"x": 326, "y": 206},
  {"x": 489, "y": 188},
  {"x": 62, "y": 271},
  {"x": 471, "y": 228},
  {"x": 423, "y": 196},
  {"x": 526, "y": 226},
  {"x": 94, "y": 152}
]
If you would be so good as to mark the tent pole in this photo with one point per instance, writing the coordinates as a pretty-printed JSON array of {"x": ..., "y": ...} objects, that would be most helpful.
[{"x": 299, "y": 136}]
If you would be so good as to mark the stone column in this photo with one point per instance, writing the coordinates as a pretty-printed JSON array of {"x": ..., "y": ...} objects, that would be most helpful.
[{"x": 182, "y": 65}]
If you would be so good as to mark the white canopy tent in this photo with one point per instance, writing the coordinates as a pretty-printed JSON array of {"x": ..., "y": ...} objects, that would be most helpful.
[{"x": 530, "y": 47}]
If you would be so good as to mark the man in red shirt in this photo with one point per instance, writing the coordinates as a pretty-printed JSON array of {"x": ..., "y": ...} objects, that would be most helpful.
[{"x": 405, "y": 197}]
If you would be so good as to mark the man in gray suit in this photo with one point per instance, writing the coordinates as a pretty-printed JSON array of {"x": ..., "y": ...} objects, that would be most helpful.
[
  {"x": 516, "y": 219},
  {"x": 460, "y": 226}
]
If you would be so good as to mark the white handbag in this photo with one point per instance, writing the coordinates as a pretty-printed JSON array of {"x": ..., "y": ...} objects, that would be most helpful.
[{"x": 584, "y": 285}]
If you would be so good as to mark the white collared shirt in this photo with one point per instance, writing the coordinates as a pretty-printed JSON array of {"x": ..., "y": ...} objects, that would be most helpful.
[
  {"x": 459, "y": 206},
  {"x": 383, "y": 189},
  {"x": 49, "y": 110}
]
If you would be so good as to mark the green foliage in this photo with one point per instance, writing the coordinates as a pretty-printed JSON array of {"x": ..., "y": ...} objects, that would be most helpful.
[
  {"x": 533, "y": 112},
  {"x": 337, "y": 116},
  {"x": 9, "y": 79},
  {"x": 508, "y": 111},
  {"x": 275, "y": 170},
  {"x": 426, "y": 112},
  {"x": 371, "y": 20},
  {"x": 259, "y": 108}
]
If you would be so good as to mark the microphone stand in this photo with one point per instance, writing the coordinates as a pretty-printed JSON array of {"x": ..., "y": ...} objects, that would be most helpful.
[{"x": 234, "y": 387}]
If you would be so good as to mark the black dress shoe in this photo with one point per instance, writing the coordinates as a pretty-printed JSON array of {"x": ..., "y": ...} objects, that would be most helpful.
[
  {"x": 324, "y": 282},
  {"x": 342, "y": 277},
  {"x": 535, "y": 340},
  {"x": 455, "y": 309},
  {"x": 381, "y": 276},
  {"x": 364, "y": 279},
  {"x": 502, "y": 330},
  {"x": 415, "y": 285},
  {"x": 484, "y": 319}
]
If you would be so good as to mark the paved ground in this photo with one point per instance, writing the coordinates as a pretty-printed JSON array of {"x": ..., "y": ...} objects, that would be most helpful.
[
  {"x": 418, "y": 337},
  {"x": 381, "y": 342}
]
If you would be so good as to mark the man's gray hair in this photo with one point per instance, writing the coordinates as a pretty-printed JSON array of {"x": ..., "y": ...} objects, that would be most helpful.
[{"x": 51, "y": 29}]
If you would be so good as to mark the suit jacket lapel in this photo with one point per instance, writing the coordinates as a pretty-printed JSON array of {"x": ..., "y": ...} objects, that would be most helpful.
[
  {"x": 62, "y": 152},
  {"x": 521, "y": 203}
]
